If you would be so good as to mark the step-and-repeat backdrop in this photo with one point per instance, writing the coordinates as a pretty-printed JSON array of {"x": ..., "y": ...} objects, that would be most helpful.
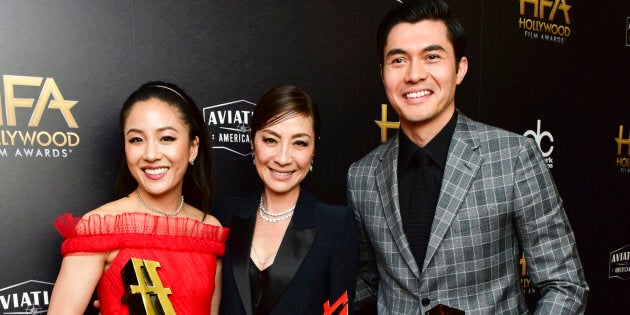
[{"x": 555, "y": 70}]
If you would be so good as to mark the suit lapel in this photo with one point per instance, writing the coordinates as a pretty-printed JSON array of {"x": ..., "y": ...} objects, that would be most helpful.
[
  {"x": 295, "y": 245},
  {"x": 387, "y": 186},
  {"x": 241, "y": 233},
  {"x": 463, "y": 163}
]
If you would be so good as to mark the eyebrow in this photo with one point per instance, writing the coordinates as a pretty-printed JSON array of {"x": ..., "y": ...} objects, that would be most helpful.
[
  {"x": 297, "y": 135},
  {"x": 159, "y": 129},
  {"x": 396, "y": 51}
]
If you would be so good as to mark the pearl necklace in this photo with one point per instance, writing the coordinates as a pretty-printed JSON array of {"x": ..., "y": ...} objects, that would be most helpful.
[
  {"x": 168, "y": 214},
  {"x": 270, "y": 216}
]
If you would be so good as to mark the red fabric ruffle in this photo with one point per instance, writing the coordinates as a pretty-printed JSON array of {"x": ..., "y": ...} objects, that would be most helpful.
[{"x": 128, "y": 230}]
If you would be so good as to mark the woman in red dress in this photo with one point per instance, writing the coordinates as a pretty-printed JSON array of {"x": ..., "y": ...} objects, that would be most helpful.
[{"x": 160, "y": 223}]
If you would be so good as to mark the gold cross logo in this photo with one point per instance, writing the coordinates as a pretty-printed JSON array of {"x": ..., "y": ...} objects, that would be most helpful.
[
  {"x": 144, "y": 289},
  {"x": 621, "y": 141},
  {"x": 384, "y": 124}
]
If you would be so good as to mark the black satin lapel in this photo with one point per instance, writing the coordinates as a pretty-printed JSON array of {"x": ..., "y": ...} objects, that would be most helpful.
[
  {"x": 240, "y": 240},
  {"x": 294, "y": 247}
]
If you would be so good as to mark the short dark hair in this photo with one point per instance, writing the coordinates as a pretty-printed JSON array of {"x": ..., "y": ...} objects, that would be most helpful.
[
  {"x": 197, "y": 180},
  {"x": 414, "y": 11},
  {"x": 281, "y": 103}
]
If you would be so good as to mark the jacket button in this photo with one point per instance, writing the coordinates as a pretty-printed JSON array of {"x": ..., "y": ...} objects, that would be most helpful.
[{"x": 426, "y": 302}]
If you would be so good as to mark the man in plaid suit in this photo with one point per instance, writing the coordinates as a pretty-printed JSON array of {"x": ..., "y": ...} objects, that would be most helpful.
[{"x": 495, "y": 198}]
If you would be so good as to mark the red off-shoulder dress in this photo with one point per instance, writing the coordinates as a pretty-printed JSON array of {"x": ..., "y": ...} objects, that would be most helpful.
[{"x": 186, "y": 250}]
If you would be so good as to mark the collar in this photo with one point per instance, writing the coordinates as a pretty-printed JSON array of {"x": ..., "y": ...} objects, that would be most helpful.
[{"x": 436, "y": 149}]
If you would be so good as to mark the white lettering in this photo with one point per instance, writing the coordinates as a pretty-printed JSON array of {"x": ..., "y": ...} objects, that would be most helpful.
[{"x": 229, "y": 117}]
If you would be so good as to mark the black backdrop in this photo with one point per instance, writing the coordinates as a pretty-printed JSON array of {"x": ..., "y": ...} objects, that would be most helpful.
[{"x": 566, "y": 89}]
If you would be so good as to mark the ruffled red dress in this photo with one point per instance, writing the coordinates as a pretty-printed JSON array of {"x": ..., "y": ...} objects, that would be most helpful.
[{"x": 186, "y": 250}]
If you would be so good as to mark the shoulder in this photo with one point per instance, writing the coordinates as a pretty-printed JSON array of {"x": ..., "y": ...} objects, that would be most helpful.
[
  {"x": 224, "y": 208},
  {"x": 490, "y": 138},
  {"x": 210, "y": 219},
  {"x": 377, "y": 154},
  {"x": 334, "y": 213},
  {"x": 122, "y": 205}
]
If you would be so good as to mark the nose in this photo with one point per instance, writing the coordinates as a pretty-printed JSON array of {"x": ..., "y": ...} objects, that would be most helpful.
[
  {"x": 151, "y": 151},
  {"x": 283, "y": 156},
  {"x": 415, "y": 72}
]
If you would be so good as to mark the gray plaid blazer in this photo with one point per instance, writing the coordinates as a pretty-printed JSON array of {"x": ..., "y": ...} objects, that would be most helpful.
[{"x": 497, "y": 201}]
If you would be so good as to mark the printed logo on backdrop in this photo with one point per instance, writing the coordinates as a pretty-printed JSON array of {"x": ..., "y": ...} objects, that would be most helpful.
[
  {"x": 529, "y": 290},
  {"x": 623, "y": 152},
  {"x": 620, "y": 263},
  {"x": 546, "y": 20},
  {"x": 544, "y": 140},
  {"x": 384, "y": 124},
  {"x": 29, "y": 297},
  {"x": 628, "y": 31},
  {"x": 229, "y": 126},
  {"x": 25, "y": 102}
]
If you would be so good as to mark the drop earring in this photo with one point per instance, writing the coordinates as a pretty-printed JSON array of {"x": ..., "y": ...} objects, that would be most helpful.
[
  {"x": 253, "y": 158},
  {"x": 311, "y": 168}
]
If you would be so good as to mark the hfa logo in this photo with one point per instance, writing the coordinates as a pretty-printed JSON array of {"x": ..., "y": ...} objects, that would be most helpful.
[
  {"x": 526, "y": 283},
  {"x": 144, "y": 291},
  {"x": 620, "y": 263},
  {"x": 541, "y": 138},
  {"x": 34, "y": 141},
  {"x": 546, "y": 20},
  {"x": 623, "y": 162},
  {"x": 384, "y": 124},
  {"x": 229, "y": 126},
  {"x": 29, "y": 297}
]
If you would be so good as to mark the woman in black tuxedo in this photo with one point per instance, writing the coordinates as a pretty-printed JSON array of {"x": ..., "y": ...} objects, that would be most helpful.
[{"x": 287, "y": 252}]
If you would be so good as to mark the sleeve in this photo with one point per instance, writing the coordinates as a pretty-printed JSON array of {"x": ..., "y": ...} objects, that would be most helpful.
[
  {"x": 367, "y": 274},
  {"x": 548, "y": 242},
  {"x": 343, "y": 265}
]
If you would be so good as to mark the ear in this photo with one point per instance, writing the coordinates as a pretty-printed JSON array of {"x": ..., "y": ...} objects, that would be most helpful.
[
  {"x": 462, "y": 69},
  {"x": 380, "y": 69},
  {"x": 194, "y": 149}
]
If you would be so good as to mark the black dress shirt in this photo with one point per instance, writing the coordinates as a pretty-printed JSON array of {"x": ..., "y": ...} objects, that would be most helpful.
[{"x": 437, "y": 152}]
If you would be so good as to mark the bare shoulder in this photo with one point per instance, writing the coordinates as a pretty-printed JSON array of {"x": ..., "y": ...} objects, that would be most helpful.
[
  {"x": 212, "y": 220},
  {"x": 207, "y": 218},
  {"x": 115, "y": 207}
]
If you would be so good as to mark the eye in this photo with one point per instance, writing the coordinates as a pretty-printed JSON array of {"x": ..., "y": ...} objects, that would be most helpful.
[
  {"x": 168, "y": 139},
  {"x": 135, "y": 140},
  {"x": 433, "y": 57},
  {"x": 269, "y": 140},
  {"x": 301, "y": 143},
  {"x": 397, "y": 60}
]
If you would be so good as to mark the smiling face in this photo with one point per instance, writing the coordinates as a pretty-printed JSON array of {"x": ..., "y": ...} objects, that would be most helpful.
[
  {"x": 157, "y": 147},
  {"x": 283, "y": 154},
  {"x": 420, "y": 75}
]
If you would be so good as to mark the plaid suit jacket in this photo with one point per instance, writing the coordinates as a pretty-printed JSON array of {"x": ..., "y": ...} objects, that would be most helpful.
[{"x": 497, "y": 201}]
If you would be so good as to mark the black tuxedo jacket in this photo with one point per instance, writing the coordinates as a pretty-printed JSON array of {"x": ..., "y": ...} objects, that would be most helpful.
[{"x": 316, "y": 262}]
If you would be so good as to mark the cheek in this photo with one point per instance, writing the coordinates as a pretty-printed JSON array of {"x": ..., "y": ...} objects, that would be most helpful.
[
  {"x": 304, "y": 160},
  {"x": 132, "y": 154},
  {"x": 392, "y": 77},
  {"x": 263, "y": 156}
]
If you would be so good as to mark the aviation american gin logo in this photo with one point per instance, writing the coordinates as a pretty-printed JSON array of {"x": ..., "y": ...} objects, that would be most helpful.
[{"x": 229, "y": 126}]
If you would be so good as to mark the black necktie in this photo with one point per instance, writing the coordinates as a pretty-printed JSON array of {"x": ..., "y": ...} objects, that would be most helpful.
[{"x": 421, "y": 208}]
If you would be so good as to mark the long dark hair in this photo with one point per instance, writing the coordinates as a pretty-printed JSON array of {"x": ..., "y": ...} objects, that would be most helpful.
[{"x": 197, "y": 180}]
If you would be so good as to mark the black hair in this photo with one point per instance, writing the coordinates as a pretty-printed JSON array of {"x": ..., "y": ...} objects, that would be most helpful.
[
  {"x": 281, "y": 103},
  {"x": 414, "y": 11}
]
